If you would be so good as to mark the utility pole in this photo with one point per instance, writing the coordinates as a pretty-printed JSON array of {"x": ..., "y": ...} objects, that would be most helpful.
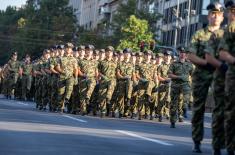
[
  {"x": 176, "y": 23},
  {"x": 188, "y": 22}
]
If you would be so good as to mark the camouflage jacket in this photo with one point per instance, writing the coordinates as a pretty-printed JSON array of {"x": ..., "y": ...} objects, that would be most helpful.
[
  {"x": 183, "y": 69},
  {"x": 27, "y": 69},
  {"x": 197, "y": 45},
  {"x": 146, "y": 71},
  {"x": 227, "y": 43},
  {"x": 126, "y": 68},
  {"x": 88, "y": 67},
  {"x": 13, "y": 66},
  {"x": 68, "y": 65},
  {"x": 108, "y": 68},
  {"x": 163, "y": 70}
]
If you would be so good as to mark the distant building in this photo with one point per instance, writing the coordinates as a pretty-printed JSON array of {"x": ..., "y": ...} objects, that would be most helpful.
[
  {"x": 186, "y": 26},
  {"x": 90, "y": 13}
]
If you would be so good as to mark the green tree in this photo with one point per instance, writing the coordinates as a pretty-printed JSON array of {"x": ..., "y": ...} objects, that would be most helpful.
[
  {"x": 8, "y": 29},
  {"x": 125, "y": 10},
  {"x": 134, "y": 31}
]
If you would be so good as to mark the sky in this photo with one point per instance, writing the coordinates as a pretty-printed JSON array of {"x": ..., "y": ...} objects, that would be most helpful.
[{"x": 5, "y": 3}]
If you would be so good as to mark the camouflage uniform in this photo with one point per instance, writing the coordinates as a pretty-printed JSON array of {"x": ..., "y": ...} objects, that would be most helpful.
[
  {"x": 87, "y": 83},
  {"x": 201, "y": 82},
  {"x": 124, "y": 85},
  {"x": 53, "y": 84},
  {"x": 146, "y": 72},
  {"x": 13, "y": 68},
  {"x": 164, "y": 91},
  {"x": 179, "y": 86},
  {"x": 227, "y": 44},
  {"x": 107, "y": 69},
  {"x": 37, "y": 83},
  {"x": 66, "y": 79},
  {"x": 218, "y": 141},
  {"x": 26, "y": 79},
  {"x": 45, "y": 83}
]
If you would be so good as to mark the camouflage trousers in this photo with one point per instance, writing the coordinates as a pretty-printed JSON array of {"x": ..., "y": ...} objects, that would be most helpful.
[
  {"x": 163, "y": 100},
  {"x": 86, "y": 88},
  {"x": 230, "y": 109},
  {"x": 144, "y": 91},
  {"x": 26, "y": 85},
  {"x": 180, "y": 95},
  {"x": 53, "y": 94},
  {"x": 38, "y": 92},
  {"x": 75, "y": 103},
  {"x": 106, "y": 89},
  {"x": 124, "y": 92},
  {"x": 134, "y": 98},
  {"x": 94, "y": 98},
  {"x": 218, "y": 139},
  {"x": 65, "y": 88},
  {"x": 46, "y": 89},
  {"x": 11, "y": 83},
  {"x": 200, "y": 90}
]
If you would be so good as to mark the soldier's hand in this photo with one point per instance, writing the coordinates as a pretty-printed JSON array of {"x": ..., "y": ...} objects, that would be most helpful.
[
  {"x": 183, "y": 78},
  {"x": 143, "y": 80},
  {"x": 208, "y": 67},
  {"x": 167, "y": 81},
  {"x": 126, "y": 77},
  {"x": 75, "y": 81},
  {"x": 231, "y": 27},
  {"x": 84, "y": 76},
  {"x": 223, "y": 67}
]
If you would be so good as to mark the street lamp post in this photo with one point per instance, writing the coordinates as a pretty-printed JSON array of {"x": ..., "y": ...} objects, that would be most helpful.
[
  {"x": 188, "y": 22},
  {"x": 189, "y": 12},
  {"x": 176, "y": 23}
]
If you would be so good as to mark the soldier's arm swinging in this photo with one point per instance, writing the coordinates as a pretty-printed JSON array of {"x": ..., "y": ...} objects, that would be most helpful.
[
  {"x": 196, "y": 60},
  {"x": 225, "y": 56},
  {"x": 213, "y": 61},
  {"x": 58, "y": 69}
]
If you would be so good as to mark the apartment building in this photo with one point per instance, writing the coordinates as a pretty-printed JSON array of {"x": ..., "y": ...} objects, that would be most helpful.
[{"x": 192, "y": 15}]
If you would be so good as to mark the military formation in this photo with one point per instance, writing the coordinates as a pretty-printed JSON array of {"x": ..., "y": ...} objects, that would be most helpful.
[
  {"x": 83, "y": 80},
  {"x": 143, "y": 85}
]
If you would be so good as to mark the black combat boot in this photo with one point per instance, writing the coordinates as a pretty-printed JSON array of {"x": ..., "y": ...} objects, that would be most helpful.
[
  {"x": 128, "y": 102},
  {"x": 159, "y": 118},
  {"x": 172, "y": 125},
  {"x": 185, "y": 113},
  {"x": 216, "y": 152},
  {"x": 181, "y": 119},
  {"x": 197, "y": 148},
  {"x": 230, "y": 152}
]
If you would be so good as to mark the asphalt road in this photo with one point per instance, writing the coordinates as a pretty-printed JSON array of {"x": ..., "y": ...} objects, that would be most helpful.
[{"x": 26, "y": 131}]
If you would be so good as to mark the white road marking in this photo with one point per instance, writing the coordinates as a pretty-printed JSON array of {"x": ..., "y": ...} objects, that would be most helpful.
[
  {"x": 144, "y": 138},
  {"x": 76, "y": 119},
  {"x": 21, "y": 103},
  {"x": 206, "y": 125}
]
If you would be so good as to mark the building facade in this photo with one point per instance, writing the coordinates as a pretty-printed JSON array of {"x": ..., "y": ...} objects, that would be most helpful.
[
  {"x": 176, "y": 29},
  {"x": 90, "y": 13}
]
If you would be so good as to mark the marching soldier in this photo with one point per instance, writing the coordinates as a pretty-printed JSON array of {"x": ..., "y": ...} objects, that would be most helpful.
[
  {"x": 203, "y": 74},
  {"x": 13, "y": 67},
  {"x": 179, "y": 72},
  {"x": 125, "y": 75},
  {"x": 67, "y": 68},
  {"x": 107, "y": 72},
  {"x": 164, "y": 86},
  {"x": 88, "y": 72},
  {"x": 146, "y": 73},
  {"x": 227, "y": 54},
  {"x": 26, "y": 77}
]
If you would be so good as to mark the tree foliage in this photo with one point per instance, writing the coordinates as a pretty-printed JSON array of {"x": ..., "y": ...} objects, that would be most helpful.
[
  {"x": 125, "y": 10},
  {"x": 134, "y": 31},
  {"x": 35, "y": 27}
]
